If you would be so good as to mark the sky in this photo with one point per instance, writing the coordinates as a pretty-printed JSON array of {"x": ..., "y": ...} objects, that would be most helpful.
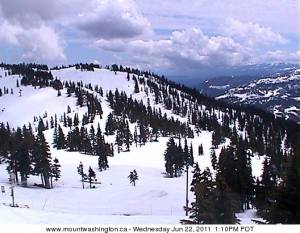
[{"x": 172, "y": 36}]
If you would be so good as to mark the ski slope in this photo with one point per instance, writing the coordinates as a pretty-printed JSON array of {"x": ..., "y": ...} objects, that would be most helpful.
[{"x": 155, "y": 199}]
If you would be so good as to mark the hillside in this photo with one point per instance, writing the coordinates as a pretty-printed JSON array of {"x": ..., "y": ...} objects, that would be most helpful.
[{"x": 151, "y": 110}]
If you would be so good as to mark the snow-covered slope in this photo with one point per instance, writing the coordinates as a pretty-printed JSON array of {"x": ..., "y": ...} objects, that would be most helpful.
[
  {"x": 107, "y": 79},
  {"x": 279, "y": 95},
  {"x": 155, "y": 199}
]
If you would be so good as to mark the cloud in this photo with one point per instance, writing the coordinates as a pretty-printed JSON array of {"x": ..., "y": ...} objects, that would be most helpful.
[
  {"x": 8, "y": 33},
  {"x": 41, "y": 28},
  {"x": 27, "y": 25},
  {"x": 42, "y": 44},
  {"x": 32, "y": 24},
  {"x": 186, "y": 48},
  {"x": 30, "y": 13},
  {"x": 252, "y": 33},
  {"x": 282, "y": 56},
  {"x": 38, "y": 44},
  {"x": 280, "y": 15},
  {"x": 110, "y": 19}
]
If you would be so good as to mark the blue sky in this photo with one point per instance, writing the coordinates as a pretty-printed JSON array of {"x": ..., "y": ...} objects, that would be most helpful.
[{"x": 169, "y": 35}]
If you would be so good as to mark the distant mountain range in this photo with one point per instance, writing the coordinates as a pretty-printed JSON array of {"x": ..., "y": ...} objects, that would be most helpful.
[
  {"x": 194, "y": 78},
  {"x": 277, "y": 92}
]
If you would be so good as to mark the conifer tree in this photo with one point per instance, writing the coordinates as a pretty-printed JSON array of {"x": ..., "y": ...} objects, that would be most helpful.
[
  {"x": 91, "y": 177},
  {"x": 80, "y": 171},
  {"x": 55, "y": 171},
  {"x": 109, "y": 126},
  {"x": 24, "y": 162},
  {"x": 61, "y": 140},
  {"x": 55, "y": 137},
  {"x": 200, "y": 149},
  {"x": 102, "y": 159},
  {"x": 133, "y": 177},
  {"x": 55, "y": 120},
  {"x": 224, "y": 203},
  {"x": 136, "y": 86},
  {"x": 135, "y": 136},
  {"x": 41, "y": 126},
  {"x": 42, "y": 159},
  {"x": 213, "y": 159},
  {"x": 51, "y": 122},
  {"x": 102, "y": 150},
  {"x": 127, "y": 136},
  {"x": 191, "y": 154},
  {"x": 170, "y": 155},
  {"x": 202, "y": 209},
  {"x": 76, "y": 120},
  {"x": 246, "y": 182},
  {"x": 286, "y": 207},
  {"x": 143, "y": 134}
]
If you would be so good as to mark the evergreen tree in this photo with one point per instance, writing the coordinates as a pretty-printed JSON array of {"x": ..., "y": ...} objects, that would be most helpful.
[
  {"x": 200, "y": 149},
  {"x": 24, "y": 162},
  {"x": 76, "y": 120},
  {"x": 191, "y": 155},
  {"x": 213, "y": 158},
  {"x": 235, "y": 167},
  {"x": 127, "y": 136},
  {"x": 133, "y": 177},
  {"x": 80, "y": 171},
  {"x": 265, "y": 189},
  {"x": 41, "y": 126},
  {"x": 170, "y": 155},
  {"x": 55, "y": 171},
  {"x": 246, "y": 183},
  {"x": 135, "y": 136},
  {"x": 42, "y": 159},
  {"x": 102, "y": 149},
  {"x": 202, "y": 209},
  {"x": 102, "y": 159},
  {"x": 136, "y": 86},
  {"x": 51, "y": 122},
  {"x": 61, "y": 140},
  {"x": 143, "y": 134},
  {"x": 224, "y": 203},
  {"x": 91, "y": 177},
  {"x": 110, "y": 125},
  {"x": 55, "y": 137},
  {"x": 286, "y": 207}
]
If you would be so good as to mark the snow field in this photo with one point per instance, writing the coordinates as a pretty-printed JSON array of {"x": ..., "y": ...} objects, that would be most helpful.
[{"x": 155, "y": 199}]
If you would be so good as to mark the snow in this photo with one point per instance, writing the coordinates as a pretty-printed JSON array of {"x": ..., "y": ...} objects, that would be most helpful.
[
  {"x": 293, "y": 110},
  {"x": 108, "y": 80},
  {"x": 257, "y": 165},
  {"x": 247, "y": 96},
  {"x": 278, "y": 79},
  {"x": 247, "y": 217},
  {"x": 20, "y": 110},
  {"x": 25, "y": 216},
  {"x": 271, "y": 93},
  {"x": 297, "y": 98},
  {"x": 155, "y": 199},
  {"x": 155, "y": 195}
]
